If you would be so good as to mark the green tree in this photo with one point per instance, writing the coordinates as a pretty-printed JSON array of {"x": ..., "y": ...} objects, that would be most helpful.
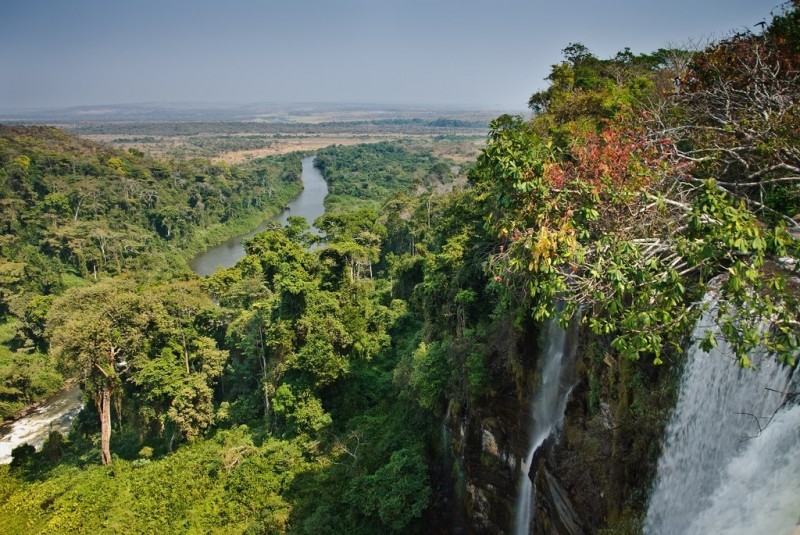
[
  {"x": 174, "y": 381},
  {"x": 96, "y": 332},
  {"x": 397, "y": 492}
]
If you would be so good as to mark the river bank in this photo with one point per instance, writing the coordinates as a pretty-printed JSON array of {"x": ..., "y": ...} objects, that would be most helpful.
[
  {"x": 22, "y": 413},
  {"x": 33, "y": 424},
  {"x": 217, "y": 234},
  {"x": 309, "y": 203}
]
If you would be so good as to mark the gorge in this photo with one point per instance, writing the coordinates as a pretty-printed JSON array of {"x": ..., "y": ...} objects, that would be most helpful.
[
  {"x": 590, "y": 327},
  {"x": 57, "y": 412}
]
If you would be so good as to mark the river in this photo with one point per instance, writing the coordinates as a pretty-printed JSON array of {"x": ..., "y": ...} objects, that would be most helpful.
[
  {"x": 55, "y": 414},
  {"x": 308, "y": 204},
  {"x": 58, "y": 412}
]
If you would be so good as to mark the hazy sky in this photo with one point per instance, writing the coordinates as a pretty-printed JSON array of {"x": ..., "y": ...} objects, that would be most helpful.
[{"x": 491, "y": 53}]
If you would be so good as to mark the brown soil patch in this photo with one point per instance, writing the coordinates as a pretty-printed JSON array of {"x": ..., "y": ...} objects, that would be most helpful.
[{"x": 302, "y": 144}]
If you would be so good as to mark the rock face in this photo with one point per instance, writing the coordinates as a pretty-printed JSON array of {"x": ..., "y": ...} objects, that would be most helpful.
[
  {"x": 595, "y": 473},
  {"x": 555, "y": 513},
  {"x": 485, "y": 455}
]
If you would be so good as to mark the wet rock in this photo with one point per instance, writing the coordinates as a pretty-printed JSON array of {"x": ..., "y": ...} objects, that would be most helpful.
[
  {"x": 555, "y": 512},
  {"x": 594, "y": 472},
  {"x": 489, "y": 443}
]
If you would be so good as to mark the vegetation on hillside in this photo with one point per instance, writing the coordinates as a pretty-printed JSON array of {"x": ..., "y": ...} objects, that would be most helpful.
[
  {"x": 73, "y": 212},
  {"x": 299, "y": 348},
  {"x": 299, "y": 390},
  {"x": 366, "y": 176},
  {"x": 610, "y": 201},
  {"x": 643, "y": 178}
]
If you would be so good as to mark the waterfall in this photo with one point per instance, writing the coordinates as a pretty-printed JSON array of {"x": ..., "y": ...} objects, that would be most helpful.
[
  {"x": 547, "y": 412},
  {"x": 730, "y": 462}
]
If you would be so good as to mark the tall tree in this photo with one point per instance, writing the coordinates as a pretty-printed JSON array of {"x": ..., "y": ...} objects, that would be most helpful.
[
  {"x": 94, "y": 332},
  {"x": 175, "y": 380}
]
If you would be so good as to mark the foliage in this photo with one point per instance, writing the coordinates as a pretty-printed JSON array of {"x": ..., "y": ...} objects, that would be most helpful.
[
  {"x": 310, "y": 320},
  {"x": 100, "y": 210},
  {"x": 736, "y": 118},
  {"x": 622, "y": 226},
  {"x": 289, "y": 350},
  {"x": 226, "y": 484},
  {"x": 28, "y": 375},
  {"x": 396, "y": 493},
  {"x": 71, "y": 208},
  {"x": 368, "y": 175}
]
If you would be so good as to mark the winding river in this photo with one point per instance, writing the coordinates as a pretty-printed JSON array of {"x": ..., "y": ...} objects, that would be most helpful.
[
  {"x": 308, "y": 204},
  {"x": 57, "y": 413}
]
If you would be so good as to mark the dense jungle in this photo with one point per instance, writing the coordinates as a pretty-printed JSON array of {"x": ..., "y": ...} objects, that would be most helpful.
[{"x": 376, "y": 373}]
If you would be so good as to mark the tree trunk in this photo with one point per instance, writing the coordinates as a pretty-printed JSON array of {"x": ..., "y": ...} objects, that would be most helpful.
[
  {"x": 185, "y": 352},
  {"x": 264, "y": 374},
  {"x": 103, "y": 401}
]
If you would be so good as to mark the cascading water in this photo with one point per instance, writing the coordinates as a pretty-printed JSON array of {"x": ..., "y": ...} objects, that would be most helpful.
[
  {"x": 547, "y": 412},
  {"x": 730, "y": 462},
  {"x": 56, "y": 414}
]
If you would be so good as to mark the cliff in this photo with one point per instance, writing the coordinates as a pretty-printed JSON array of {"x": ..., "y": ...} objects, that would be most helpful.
[{"x": 593, "y": 472}]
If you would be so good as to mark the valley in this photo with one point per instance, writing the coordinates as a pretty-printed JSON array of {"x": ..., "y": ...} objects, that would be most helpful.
[{"x": 362, "y": 318}]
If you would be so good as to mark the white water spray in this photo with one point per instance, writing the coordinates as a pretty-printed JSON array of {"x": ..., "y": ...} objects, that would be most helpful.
[
  {"x": 547, "y": 413},
  {"x": 730, "y": 463},
  {"x": 54, "y": 415}
]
